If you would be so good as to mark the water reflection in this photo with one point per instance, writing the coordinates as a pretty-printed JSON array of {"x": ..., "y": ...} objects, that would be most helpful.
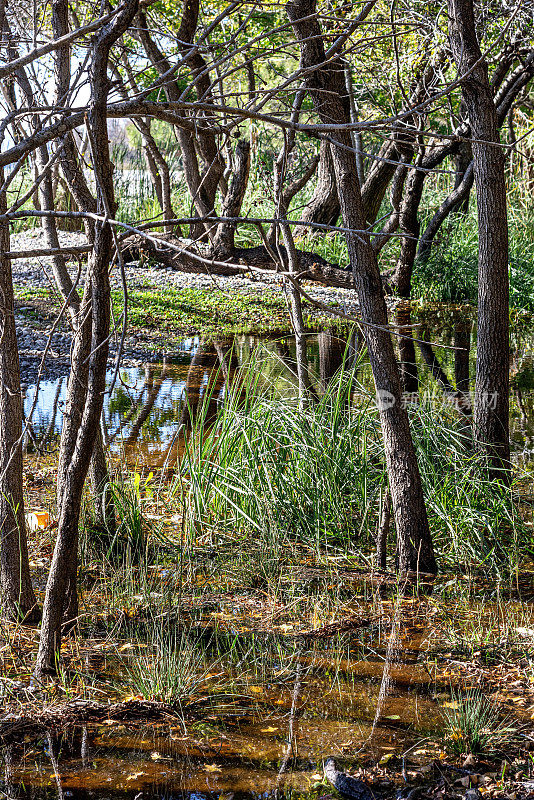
[
  {"x": 153, "y": 404},
  {"x": 341, "y": 701}
]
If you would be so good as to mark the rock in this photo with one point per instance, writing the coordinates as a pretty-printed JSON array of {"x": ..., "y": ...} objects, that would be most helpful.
[{"x": 346, "y": 785}]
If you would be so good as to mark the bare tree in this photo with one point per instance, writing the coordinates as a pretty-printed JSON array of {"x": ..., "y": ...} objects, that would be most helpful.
[
  {"x": 326, "y": 88},
  {"x": 17, "y": 597},
  {"x": 91, "y": 347},
  {"x": 491, "y": 418}
]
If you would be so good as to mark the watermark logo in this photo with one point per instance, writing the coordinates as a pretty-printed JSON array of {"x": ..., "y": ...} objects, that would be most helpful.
[
  {"x": 462, "y": 401},
  {"x": 384, "y": 399}
]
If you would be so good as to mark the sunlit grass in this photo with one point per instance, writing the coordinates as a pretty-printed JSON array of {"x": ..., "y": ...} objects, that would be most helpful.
[{"x": 472, "y": 724}]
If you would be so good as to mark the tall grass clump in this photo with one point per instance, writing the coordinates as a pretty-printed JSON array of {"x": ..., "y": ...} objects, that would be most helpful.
[
  {"x": 472, "y": 724},
  {"x": 474, "y": 520},
  {"x": 284, "y": 472},
  {"x": 170, "y": 670},
  {"x": 275, "y": 473}
]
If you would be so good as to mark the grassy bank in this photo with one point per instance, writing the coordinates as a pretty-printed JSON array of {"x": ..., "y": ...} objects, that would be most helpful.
[{"x": 185, "y": 311}]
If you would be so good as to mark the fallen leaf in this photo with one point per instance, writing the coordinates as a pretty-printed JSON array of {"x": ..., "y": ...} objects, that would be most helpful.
[{"x": 135, "y": 775}]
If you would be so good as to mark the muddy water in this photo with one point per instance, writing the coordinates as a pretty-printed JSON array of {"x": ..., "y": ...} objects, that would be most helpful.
[
  {"x": 361, "y": 703},
  {"x": 346, "y": 702}
]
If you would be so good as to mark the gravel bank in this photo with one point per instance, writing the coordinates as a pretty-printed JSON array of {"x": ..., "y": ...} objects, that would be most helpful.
[{"x": 35, "y": 273}]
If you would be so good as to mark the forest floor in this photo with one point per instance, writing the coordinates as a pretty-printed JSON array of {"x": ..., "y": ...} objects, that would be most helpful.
[{"x": 398, "y": 688}]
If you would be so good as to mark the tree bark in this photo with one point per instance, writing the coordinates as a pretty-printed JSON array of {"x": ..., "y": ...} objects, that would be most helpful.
[
  {"x": 463, "y": 159},
  {"x": 408, "y": 365},
  {"x": 202, "y": 186},
  {"x": 326, "y": 88},
  {"x": 223, "y": 245},
  {"x": 172, "y": 253},
  {"x": 491, "y": 417},
  {"x": 17, "y": 599},
  {"x": 332, "y": 352},
  {"x": 462, "y": 341},
  {"x": 383, "y": 531},
  {"x": 96, "y": 309},
  {"x": 323, "y": 208},
  {"x": 98, "y": 470}
]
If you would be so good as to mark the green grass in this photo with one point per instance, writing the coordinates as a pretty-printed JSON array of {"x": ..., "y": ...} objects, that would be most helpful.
[
  {"x": 472, "y": 724},
  {"x": 192, "y": 310},
  {"x": 450, "y": 274},
  {"x": 207, "y": 312},
  {"x": 277, "y": 474},
  {"x": 169, "y": 671}
]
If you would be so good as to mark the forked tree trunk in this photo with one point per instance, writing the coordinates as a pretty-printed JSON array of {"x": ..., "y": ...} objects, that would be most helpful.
[
  {"x": 463, "y": 158},
  {"x": 323, "y": 206},
  {"x": 95, "y": 307},
  {"x": 491, "y": 417},
  {"x": 409, "y": 226},
  {"x": 74, "y": 176},
  {"x": 326, "y": 87}
]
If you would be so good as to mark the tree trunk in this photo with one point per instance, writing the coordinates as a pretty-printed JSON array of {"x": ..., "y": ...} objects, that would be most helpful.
[
  {"x": 409, "y": 226},
  {"x": 462, "y": 341},
  {"x": 223, "y": 245},
  {"x": 323, "y": 208},
  {"x": 463, "y": 158},
  {"x": 491, "y": 418},
  {"x": 408, "y": 364},
  {"x": 104, "y": 507},
  {"x": 332, "y": 350},
  {"x": 17, "y": 600},
  {"x": 326, "y": 88},
  {"x": 93, "y": 336},
  {"x": 383, "y": 531}
]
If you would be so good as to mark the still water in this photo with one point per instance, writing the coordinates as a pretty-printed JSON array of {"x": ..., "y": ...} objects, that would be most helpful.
[
  {"x": 373, "y": 697},
  {"x": 152, "y": 404}
]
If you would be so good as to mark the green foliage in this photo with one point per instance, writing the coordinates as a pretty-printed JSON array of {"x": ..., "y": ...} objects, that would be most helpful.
[
  {"x": 281, "y": 473},
  {"x": 450, "y": 274},
  {"x": 287, "y": 473},
  {"x": 473, "y": 519},
  {"x": 472, "y": 724},
  {"x": 190, "y": 310}
]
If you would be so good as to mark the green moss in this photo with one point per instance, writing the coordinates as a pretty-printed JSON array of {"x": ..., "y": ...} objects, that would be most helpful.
[{"x": 211, "y": 311}]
